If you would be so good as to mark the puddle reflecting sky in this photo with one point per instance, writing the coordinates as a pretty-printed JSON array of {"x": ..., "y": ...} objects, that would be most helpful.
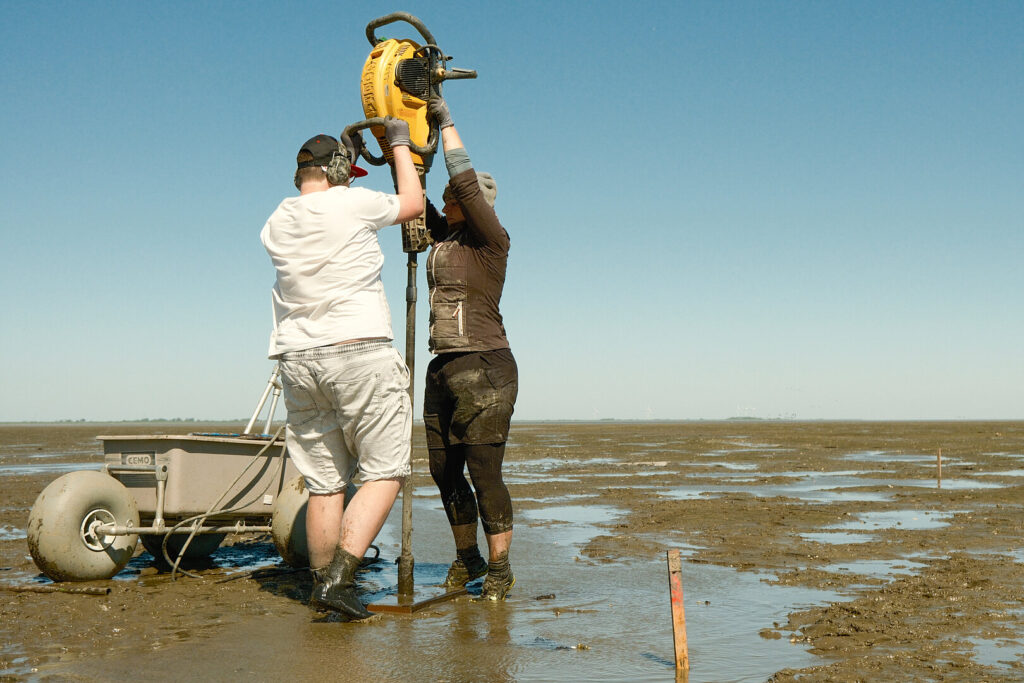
[
  {"x": 736, "y": 466},
  {"x": 820, "y": 486},
  {"x": 958, "y": 484},
  {"x": 885, "y": 456},
  {"x": 572, "y": 525},
  {"x": 811, "y": 491},
  {"x": 578, "y": 514},
  {"x": 879, "y": 569},
  {"x": 538, "y": 478},
  {"x": 1004, "y": 473},
  {"x": 553, "y": 463},
  {"x": 837, "y": 537},
  {"x": 904, "y": 519},
  {"x": 52, "y": 468},
  {"x": 1000, "y": 653}
]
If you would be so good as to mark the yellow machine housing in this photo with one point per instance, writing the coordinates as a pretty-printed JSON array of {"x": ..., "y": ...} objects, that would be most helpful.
[{"x": 396, "y": 82}]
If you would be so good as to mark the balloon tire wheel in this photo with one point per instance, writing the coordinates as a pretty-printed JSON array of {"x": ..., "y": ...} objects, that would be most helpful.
[{"x": 62, "y": 537}]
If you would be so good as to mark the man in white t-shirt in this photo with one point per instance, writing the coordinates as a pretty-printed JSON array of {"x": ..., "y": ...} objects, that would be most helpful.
[{"x": 345, "y": 386}]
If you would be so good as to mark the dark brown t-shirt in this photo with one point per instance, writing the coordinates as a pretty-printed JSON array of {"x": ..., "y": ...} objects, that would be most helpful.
[{"x": 466, "y": 273}]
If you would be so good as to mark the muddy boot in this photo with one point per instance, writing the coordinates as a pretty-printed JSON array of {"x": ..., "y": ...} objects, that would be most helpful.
[
  {"x": 335, "y": 589},
  {"x": 499, "y": 579},
  {"x": 319, "y": 577},
  {"x": 470, "y": 565}
]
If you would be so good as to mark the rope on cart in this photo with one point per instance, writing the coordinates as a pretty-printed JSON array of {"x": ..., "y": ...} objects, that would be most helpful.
[{"x": 197, "y": 521}]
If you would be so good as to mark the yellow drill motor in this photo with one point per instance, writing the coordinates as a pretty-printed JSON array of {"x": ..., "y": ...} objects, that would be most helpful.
[
  {"x": 399, "y": 78},
  {"x": 395, "y": 83}
]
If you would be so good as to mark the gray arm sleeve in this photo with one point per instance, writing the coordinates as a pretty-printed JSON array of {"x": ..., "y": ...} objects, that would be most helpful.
[{"x": 457, "y": 161}]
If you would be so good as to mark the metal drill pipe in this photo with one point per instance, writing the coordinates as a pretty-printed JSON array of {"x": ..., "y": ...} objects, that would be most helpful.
[{"x": 405, "y": 560}]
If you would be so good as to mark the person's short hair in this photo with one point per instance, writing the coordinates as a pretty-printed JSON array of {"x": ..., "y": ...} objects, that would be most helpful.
[{"x": 307, "y": 173}]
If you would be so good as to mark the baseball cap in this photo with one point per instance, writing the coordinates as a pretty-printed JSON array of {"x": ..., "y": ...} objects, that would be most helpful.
[{"x": 322, "y": 147}]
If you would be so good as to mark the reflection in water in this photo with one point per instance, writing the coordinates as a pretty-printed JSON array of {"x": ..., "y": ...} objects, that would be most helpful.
[
  {"x": 909, "y": 520},
  {"x": 1005, "y": 654},
  {"x": 879, "y": 569},
  {"x": 837, "y": 537},
  {"x": 48, "y": 468}
]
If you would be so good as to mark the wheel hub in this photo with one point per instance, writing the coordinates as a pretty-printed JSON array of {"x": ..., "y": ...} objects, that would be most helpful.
[{"x": 94, "y": 540}]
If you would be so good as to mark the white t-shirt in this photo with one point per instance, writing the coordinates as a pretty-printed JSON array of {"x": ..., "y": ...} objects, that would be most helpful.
[{"x": 324, "y": 247}]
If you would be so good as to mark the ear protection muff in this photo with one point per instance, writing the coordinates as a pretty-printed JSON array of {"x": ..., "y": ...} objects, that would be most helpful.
[{"x": 339, "y": 167}]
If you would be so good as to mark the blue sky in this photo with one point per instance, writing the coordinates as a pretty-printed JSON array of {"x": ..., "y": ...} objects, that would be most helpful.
[{"x": 791, "y": 209}]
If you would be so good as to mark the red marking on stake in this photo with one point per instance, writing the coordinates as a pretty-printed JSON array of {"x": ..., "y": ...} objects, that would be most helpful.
[{"x": 675, "y": 583}]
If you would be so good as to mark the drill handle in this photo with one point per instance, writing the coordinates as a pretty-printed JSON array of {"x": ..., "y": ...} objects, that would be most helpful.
[
  {"x": 354, "y": 128},
  {"x": 392, "y": 18},
  {"x": 443, "y": 74}
]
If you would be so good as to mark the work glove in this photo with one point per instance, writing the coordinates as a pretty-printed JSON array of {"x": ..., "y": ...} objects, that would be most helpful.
[
  {"x": 397, "y": 132},
  {"x": 438, "y": 110},
  {"x": 488, "y": 187}
]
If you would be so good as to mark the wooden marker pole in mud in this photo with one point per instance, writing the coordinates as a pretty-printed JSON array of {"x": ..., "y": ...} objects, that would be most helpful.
[
  {"x": 938, "y": 461},
  {"x": 675, "y": 584}
]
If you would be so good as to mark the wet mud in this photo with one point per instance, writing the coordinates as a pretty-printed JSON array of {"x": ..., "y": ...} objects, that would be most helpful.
[{"x": 820, "y": 551}]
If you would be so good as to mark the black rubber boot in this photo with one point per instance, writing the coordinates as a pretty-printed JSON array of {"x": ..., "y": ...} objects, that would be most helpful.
[
  {"x": 499, "y": 581},
  {"x": 319, "y": 576},
  {"x": 334, "y": 588},
  {"x": 469, "y": 566}
]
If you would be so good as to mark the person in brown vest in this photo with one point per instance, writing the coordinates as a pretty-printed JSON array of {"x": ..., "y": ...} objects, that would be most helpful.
[{"x": 471, "y": 385}]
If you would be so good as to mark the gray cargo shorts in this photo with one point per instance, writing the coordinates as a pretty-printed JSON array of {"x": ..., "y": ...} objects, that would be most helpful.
[{"x": 348, "y": 409}]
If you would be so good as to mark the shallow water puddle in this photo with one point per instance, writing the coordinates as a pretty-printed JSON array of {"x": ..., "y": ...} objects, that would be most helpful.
[
  {"x": 879, "y": 569},
  {"x": 14, "y": 667},
  {"x": 821, "y": 488},
  {"x": 847, "y": 496},
  {"x": 570, "y": 622},
  {"x": 1001, "y": 653},
  {"x": 886, "y": 456},
  {"x": 546, "y": 464},
  {"x": 613, "y": 475},
  {"x": 912, "y": 520},
  {"x": 53, "y": 468},
  {"x": 725, "y": 610},
  {"x": 538, "y": 478},
  {"x": 572, "y": 525},
  {"x": 10, "y": 533},
  {"x": 690, "y": 492},
  {"x": 571, "y": 496},
  {"x": 957, "y": 484},
  {"x": 229, "y": 559},
  {"x": 586, "y": 514},
  {"x": 734, "y": 466},
  {"x": 1004, "y": 473},
  {"x": 242, "y": 558},
  {"x": 837, "y": 537},
  {"x": 727, "y": 452}
]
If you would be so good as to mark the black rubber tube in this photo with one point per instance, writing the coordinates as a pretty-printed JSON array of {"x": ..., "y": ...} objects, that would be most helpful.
[{"x": 392, "y": 18}]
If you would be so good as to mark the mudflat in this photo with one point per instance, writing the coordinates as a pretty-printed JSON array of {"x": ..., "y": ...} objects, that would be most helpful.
[{"x": 813, "y": 551}]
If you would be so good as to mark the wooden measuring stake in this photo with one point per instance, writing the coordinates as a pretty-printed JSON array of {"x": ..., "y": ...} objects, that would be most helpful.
[
  {"x": 938, "y": 460},
  {"x": 675, "y": 584}
]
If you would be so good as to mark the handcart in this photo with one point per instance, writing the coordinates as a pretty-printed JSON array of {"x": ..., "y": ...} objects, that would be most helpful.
[{"x": 180, "y": 494}]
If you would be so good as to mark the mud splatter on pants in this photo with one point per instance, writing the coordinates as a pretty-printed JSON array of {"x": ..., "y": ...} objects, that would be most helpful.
[{"x": 467, "y": 408}]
